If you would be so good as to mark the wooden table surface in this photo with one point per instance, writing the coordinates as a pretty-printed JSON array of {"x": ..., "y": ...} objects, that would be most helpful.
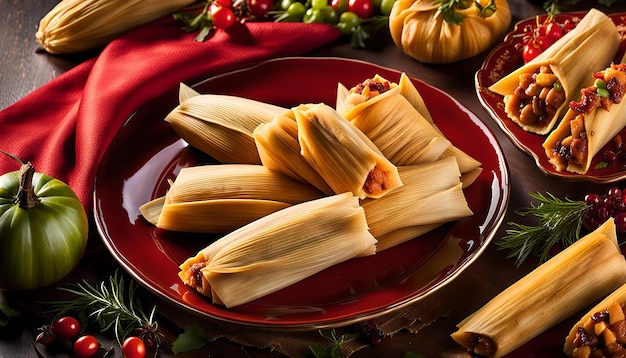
[{"x": 24, "y": 67}]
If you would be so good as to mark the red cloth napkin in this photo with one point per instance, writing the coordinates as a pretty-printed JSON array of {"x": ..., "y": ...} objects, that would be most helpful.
[{"x": 65, "y": 126}]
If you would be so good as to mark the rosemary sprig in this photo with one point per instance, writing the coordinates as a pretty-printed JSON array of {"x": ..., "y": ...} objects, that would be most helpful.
[
  {"x": 560, "y": 222},
  {"x": 112, "y": 305}
]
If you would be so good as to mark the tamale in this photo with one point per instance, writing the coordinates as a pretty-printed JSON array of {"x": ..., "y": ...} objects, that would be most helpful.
[
  {"x": 557, "y": 74},
  {"x": 590, "y": 123},
  {"x": 343, "y": 155},
  {"x": 279, "y": 250},
  {"x": 222, "y": 126},
  {"x": 577, "y": 276}
]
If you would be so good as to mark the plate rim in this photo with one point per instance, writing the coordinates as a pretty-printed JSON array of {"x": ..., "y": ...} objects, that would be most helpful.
[{"x": 498, "y": 217}]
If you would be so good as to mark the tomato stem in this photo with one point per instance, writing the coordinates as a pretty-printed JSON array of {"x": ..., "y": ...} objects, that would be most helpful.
[{"x": 26, "y": 197}]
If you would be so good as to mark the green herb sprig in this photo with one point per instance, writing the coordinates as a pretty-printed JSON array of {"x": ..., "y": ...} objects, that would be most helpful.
[
  {"x": 560, "y": 223},
  {"x": 112, "y": 305},
  {"x": 552, "y": 6}
]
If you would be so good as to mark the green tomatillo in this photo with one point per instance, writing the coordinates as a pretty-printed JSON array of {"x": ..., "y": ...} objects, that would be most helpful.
[{"x": 43, "y": 229}]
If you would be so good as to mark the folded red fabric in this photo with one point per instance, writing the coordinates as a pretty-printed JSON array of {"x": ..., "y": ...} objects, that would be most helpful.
[{"x": 65, "y": 126}]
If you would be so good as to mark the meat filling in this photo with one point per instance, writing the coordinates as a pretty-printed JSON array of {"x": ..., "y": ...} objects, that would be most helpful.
[
  {"x": 377, "y": 181},
  {"x": 371, "y": 88},
  {"x": 608, "y": 89},
  {"x": 603, "y": 336},
  {"x": 196, "y": 275},
  {"x": 536, "y": 98}
]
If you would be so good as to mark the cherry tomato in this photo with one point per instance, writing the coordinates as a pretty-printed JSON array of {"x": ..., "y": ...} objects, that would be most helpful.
[
  {"x": 553, "y": 31},
  {"x": 340, "y": 6},
  {"x": 543, "y": 42},
  {"x": 568, "y": 26},
  {"x": 45, "y": 337},
  {"x": 133, "y": 347},
  {"x": 362, "y": 8},
  {"x": 313, "y": 16},
  {"x": 530, "y": 51},
  {"x": 386, "y": 6},
  {"x": 223, "y": 17},
  {"x": 66, "y": 328},
  {"x": 260, "y": 8},
  {"x": 318, "y": 4},
  {"x": 224, "y": 3},
  {"x": 296, "y": 11},
  {"x": 86, "y": 346}
]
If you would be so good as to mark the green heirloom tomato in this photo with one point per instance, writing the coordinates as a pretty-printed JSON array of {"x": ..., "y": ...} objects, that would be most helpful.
[{"x": 43, "y": 229}]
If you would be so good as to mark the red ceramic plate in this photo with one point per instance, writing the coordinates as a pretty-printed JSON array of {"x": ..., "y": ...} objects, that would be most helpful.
[
  {"x": 504, "y": 59},
  {"x": 147, "y": 152}
]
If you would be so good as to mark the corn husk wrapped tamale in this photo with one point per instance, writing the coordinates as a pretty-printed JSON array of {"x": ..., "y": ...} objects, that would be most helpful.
[
  {"x": 80, "y": 25},
  {"x": 222, "y": 198},
  {"x": 279, "y": 149},
  {"x": 584, "y": 272},
  {"x": 589, "y": 47},
  {"x": 342, "y": 155},
  {"x": 431, "y": 194},
  {"x": 585, "y": 129},
  {"x": 221, "y": 125},
  {"x": 395, "y": 117},
  {"x": 279, "y": 250},
  {"x": 600, "y": 332}
]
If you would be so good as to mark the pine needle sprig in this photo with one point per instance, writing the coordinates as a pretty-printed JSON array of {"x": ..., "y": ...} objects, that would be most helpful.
[
  {"x": 112, "y": 306},
  {"x": 560, "y": 223}
]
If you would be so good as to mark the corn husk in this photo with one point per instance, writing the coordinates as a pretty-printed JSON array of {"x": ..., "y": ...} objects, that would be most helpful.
[
  {"x": 612, "y": 304},
  {"x": 280, "y": 250},
  {"x": 599, "y": 127},
  {"x": 399, "y": 123},
  {"x": 222, "y": 126},
  {"x": 589, "y": 47},
  {"x": 79, "y": 25},
  {"x": 279, "y": 150},
  {"x": 343, "y": 155},
  {"x": 222, "y": 198},
  {"x": 431, "y": 195},
  {"x": 584, "y": 272}
]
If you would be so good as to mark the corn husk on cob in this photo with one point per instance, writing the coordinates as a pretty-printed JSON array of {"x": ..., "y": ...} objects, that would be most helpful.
[
  {"x": 585, "y": 134},
  {"x": 431, "y": 195},
  {"x": 221, "y": 126},
  {"x": 342, "y": 155},
  {"x": 589, "y": 47},
  {"x": 222, "y": 198},
  {"x": 279, "y": 250},
  {"x": 604, "y": 329},
  {"x": 79, "y": 25},
  {"x": 395, "y": 117},
  {"x": 579, "y": 275},
  {"x": 279, "y": 149}
]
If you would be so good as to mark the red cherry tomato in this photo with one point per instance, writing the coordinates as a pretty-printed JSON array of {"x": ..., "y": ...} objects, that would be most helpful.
[
  {"x": 86, "y": 346},
  {"x": 223, "y": 17},
  {"x": 543, "y": 42},
  {"x": 530, "y": 51},
  {"x": 224, "y": 3},
  {"x": 260, "y": 8},
  {"x": 340, "y": 6},
  {"x": 133, "y": 347},
  {"x": 66, "y": 328},
  {"x": 45, "y": 337},
  {"x": 553, "y": 31},
  {"x": 363, "y": 8}
]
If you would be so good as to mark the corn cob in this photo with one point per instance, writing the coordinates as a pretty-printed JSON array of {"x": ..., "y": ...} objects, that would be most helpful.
[
  {"x": 220, "y": 125},
  {"x": 79, "y": 25},
  {"x": 579, "y": 275},
  {"x": 279, "y": 250}
]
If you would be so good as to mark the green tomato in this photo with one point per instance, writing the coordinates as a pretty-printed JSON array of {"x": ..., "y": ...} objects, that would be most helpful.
[
  {"x": 313, "y": 16},
  {"x": 318, "y": 4},
  {"x": 296, "y": 11},
  {"x": 284, "y": 4},
  {"x": 42, "y": 235},
  {"x": 386, "y": 6},
  {"x": 350, "y": 19},
  {"x": 345, "y": 29},
  {"x": 330, "y": 15}
]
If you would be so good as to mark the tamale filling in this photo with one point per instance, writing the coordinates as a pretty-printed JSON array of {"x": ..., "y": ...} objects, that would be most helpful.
[{"x": 602, "y": 336}]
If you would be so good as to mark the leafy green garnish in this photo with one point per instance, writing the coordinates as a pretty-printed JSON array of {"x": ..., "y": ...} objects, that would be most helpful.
[
  {"x": 552, "y": 6},
  {"x": 113, "y": 306},
  {"x": 189, "y": 340},
  {"x": 6, "y": 313},
  {"x": 560, "y": 222},
  {"x": 334, "y": 349}
]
